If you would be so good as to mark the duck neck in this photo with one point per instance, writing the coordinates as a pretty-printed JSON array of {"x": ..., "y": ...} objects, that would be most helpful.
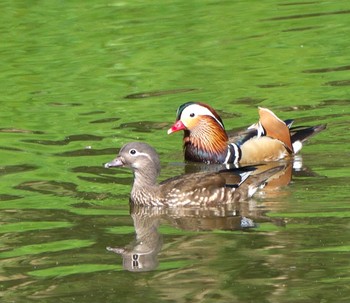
[
  {"x": 208, "y": 142},
  {"x": 145, "y": 181}
]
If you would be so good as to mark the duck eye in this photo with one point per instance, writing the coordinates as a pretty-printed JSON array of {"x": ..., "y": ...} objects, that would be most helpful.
[
  {"x": 192, "y": 115},
  {"x": 132, "y": 152}
]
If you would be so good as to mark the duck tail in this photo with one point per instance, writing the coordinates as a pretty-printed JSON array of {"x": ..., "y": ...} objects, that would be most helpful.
[
  {"x": 257, "y": 180},
  {"x": 300, "y": 134}
]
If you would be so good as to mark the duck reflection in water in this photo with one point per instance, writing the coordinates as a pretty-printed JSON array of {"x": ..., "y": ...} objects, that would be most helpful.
[{"x": 142, "y": 253}]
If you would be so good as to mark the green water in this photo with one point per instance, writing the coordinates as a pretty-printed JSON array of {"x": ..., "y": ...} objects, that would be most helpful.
[{"x": 66, "y": 69}]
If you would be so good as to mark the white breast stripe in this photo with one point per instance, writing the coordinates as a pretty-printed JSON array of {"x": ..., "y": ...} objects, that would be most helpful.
[
  {"x": 260, "y": 130},
  {"x": 228, "y": 155},
  {"x": 236, "y": 153}
]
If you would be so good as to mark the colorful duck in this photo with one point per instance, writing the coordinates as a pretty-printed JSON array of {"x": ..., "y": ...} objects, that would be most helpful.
[{"x": 205, "y": 138}]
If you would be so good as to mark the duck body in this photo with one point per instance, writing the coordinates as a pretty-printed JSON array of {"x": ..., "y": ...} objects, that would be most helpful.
[
  {"x": 264, "y": 149},
  {"x": 205, "y": 138},
  {"x": 194, "y": 189}
]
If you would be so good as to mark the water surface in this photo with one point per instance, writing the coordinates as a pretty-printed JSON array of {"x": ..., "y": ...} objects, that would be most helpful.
[{"x": 80, "y": 79}]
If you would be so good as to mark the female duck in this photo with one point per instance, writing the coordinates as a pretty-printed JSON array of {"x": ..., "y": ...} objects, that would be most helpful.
[{"x": 195, "y": 189}]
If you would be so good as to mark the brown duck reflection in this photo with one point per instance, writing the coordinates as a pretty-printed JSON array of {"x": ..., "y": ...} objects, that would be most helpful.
[{"x": 142, "y": 253}]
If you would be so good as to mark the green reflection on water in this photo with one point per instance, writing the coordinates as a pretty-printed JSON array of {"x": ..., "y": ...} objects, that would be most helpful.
[
  {"x": 46, "y": 247},
  {"x": 61, "y": 271},
  {"x": 28, "y": 226},
  {"x": 66, "y": 69}
]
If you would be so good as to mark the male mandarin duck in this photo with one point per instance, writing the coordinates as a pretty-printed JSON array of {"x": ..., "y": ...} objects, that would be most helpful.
[
  {"x": 205, "y": 138},
  {"x": 196, "y": 189}
]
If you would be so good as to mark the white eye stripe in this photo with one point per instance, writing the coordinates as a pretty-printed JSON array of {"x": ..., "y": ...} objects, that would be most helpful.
[
  {"x": 142, "y": 154},
  {"x": 198, "y": 110}
]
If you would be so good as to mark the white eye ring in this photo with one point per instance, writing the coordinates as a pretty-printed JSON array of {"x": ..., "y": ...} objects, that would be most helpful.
[{"x": 133, "y": 152}]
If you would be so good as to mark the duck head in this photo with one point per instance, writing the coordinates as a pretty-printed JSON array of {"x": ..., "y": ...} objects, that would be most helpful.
[
  {"x": 141, "y": 158},
  {"x": 205, "y": 138}
]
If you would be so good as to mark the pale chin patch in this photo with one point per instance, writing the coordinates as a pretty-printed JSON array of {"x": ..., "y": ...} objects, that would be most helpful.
[{"x": 135, "y": 165}]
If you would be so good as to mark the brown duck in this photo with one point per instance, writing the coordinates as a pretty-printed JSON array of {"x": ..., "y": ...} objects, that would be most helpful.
[{"x": 194, "y": 189}]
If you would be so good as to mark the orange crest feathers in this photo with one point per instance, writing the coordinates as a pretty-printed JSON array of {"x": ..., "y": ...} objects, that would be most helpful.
[{"x": 275, "y": 127}]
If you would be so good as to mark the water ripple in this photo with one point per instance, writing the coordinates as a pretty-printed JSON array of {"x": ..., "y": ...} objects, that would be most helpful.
[
  {"x": 4, "y": 197},
  {"x": 144, "y": 126},
  {"x": 66, "y": 140},
  {"x": 327, "y": 69},
  {"x": 159, "y": 93},
  {"x": 88, "y": 152},
  {"x": 338, "y": 83},
  {"x": 311, "y": 15},
  {"x": 61, "y": 189},
  {"x": 12, "y": 169}
]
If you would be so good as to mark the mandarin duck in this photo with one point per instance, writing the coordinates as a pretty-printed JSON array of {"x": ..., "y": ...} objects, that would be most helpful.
[
  {"x": 196, "y": 189},
  {"x": 205, "y": 138}
]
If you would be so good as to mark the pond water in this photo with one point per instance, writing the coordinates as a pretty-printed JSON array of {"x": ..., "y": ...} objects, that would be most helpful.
[{"x": 81, "y": 78}]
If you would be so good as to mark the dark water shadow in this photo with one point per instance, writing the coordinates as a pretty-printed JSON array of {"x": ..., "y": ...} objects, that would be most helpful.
[
  {"x": 105, "y": 120},
  {"x": 99, "y": 174},
  {"x": 15, "y": 130},
  {"x": 159, "y": 93},
  {"x": 327, "y": 69},
  {"x": 310, "y": 15},
  {"x": 338, "y": 83},
  {"x": 300, "y": 29},
  {"x": 248, "y": 101},
  {"x": 272, "y": 85},
  {"x": 62, "y": 189},
  {"x": 14, "y": 169},
  {"x": 144, "y": 126},
  {"x": 314, "y": 119},
  {"x": 66, "y": 140},
  {"x": 93, "y": 113},
  {"x": 88, "y": 152},
  {"x": 297, "y": 3},
  {"x": 5, "y": 197}
]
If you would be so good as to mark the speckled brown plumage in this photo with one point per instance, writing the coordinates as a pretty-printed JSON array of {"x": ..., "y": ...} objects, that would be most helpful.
[{"x": 191, "y": 189}]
